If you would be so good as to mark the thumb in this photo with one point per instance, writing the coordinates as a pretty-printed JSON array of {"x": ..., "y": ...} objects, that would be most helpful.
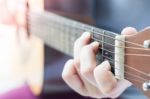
[{"x": 129, "y": 31}]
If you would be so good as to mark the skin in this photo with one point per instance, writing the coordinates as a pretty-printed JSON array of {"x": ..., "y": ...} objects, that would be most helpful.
[
  {"x": 87, "y": 79},
  {"x": 13, "y": 14}
]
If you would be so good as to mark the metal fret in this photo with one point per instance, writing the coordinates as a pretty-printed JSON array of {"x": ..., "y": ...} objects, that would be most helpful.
[
  {"x": 103, "y": 33},
  {"x": 61, "y": 33}
]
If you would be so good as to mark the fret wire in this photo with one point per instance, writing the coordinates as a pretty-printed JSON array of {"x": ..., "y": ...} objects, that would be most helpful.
[
  {"x": 103, "y": 45},
  {"x": 108, "y": 58},
  {"x": 89, "y": 30},
  {"x": 103, "y": 49},
  {"x": 66, "y": 42},
  {"x": 85, "y": 27},
  {"x": 106, "y": 43},
  {"x": 63, "y": 39},
  {"x": 69, "y": 35},
  {"x": 60, "y": 40},
  {"x": 99, "y": 41},
  {"x": 82, "y": 23}
]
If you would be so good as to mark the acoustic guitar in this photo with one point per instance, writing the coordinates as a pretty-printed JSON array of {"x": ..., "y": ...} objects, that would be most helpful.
[{"x": 129, "y": 55}]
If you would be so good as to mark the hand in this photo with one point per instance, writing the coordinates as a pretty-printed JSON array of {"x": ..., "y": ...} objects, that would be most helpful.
[{"x": 87, "y": 79}]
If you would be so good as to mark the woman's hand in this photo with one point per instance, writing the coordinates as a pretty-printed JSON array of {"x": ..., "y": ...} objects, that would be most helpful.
[{"x": 85, "y": 77}]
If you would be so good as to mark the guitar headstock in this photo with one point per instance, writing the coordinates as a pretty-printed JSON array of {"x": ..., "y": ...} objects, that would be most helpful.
[{"x": 137, "y": 60}]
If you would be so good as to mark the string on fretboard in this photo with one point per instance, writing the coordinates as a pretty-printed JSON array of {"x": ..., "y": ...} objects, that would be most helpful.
[{"x": 61, "y": 33}]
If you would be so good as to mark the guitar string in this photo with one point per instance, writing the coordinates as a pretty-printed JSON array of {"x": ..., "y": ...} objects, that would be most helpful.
[
  {"x": 128, "y": 54},
  {"x": 104, "y": 35},
  {"x": 118, "y": 39},
  {"x": 135, "y": 76},
  {"x": 138, "y": 70},
  {"x": 132, "y": 75},
  {"x": 59, "y": 21},
  {"x": 136, "y": 80},
  {"x": 129, "y": 48},
  {"x": 126, "y": 47},
  {"x": 134, "y": 48},
  {"x": 119, "y": 47},
  {"x": 127, "y": 66},
  {"x": 140, "y": 49}
]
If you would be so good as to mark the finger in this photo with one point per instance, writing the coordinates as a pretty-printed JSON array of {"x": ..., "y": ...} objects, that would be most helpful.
[
  {"x": 104, "y": 77},
  {"x": 129, "y": 31},
  {"x": 79, "y": 43},
  {"x": 71, "y": 77},
  {"x": 88, "y": 61}
]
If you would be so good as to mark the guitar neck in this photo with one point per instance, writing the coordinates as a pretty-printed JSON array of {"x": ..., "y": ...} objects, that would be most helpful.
[{"x": 60, "y": 33}]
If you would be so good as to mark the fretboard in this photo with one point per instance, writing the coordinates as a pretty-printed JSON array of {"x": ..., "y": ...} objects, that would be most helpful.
[{"x": 60, "y": 33}]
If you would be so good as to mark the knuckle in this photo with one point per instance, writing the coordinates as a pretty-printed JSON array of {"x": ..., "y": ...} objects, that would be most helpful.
[
  {"x": 97, "y": 71},
  {"x": 85, "y": 49},
  {"x": 86, "y": 71},
  {"x": 109, "y": 88},
  {"x": 77, "y": 63}
]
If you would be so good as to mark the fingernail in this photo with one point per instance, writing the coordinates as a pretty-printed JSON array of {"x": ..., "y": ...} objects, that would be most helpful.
[
  {"x": 86, "y": 34},
  {"x": 129, "y": 31},
  {"x": 106, "y": 65},
  {"x": 95, "y": 44}
]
